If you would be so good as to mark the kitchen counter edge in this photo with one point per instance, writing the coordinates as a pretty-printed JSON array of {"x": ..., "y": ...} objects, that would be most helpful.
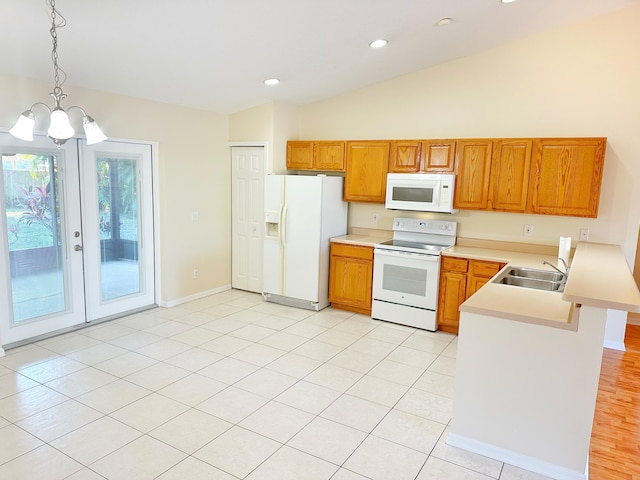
[
  {"x": 361, "y": 240},
  {"x": 599, "y": 277}
]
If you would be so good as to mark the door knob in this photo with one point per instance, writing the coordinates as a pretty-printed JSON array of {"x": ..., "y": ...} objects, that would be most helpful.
[{"x": 77, "y": 248}]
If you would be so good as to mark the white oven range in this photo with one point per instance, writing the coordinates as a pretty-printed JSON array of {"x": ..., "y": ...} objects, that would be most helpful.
[{"x": 406, "y": 272}]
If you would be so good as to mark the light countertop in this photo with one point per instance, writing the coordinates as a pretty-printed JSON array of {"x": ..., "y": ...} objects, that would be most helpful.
[
  {"x": 363, "y": 240},
  {"x": 599, "y": 277}
]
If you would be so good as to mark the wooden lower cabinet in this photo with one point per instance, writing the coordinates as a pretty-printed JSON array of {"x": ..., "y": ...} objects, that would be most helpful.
[
  {"x": 459, "y": 279},
  {"x": 351, "y": 277},
  {"x": 452, "y": 292}
]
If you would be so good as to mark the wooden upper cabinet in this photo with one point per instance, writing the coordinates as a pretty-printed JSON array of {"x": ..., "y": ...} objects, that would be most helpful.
[
  {"x": 473, "y": 163},
  {"x": 566, "y": 176},
  {"x": 321, "y": 155},
  {"x": 510, "y": 175},
  {"x": 552, "y": 176},
  {"x": 366, "y": 171},
  {"x": 328, "y": 155},
  {"x": 299, "y": 155},
  {"x": 412, "y": 156},
  {"x": 405, "y": 156},
  {"x": 437, "y": 155}
]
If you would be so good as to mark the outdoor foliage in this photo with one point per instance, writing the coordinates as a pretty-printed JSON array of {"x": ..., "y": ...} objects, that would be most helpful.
[{"x": 32, "y": 223}]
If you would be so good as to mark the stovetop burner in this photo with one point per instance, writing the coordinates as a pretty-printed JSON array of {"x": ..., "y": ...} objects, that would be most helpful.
[
  {"x": 421, "y": 236},
  {"x": 413, "y": 246}
]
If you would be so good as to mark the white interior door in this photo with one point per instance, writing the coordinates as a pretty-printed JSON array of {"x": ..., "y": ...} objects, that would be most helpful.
[
  {"x": 247, "y": 214},
  {"x": 117, "y": 219},
  {"x": 77, "y": 238},
  {"x": 41, "y": 276}
]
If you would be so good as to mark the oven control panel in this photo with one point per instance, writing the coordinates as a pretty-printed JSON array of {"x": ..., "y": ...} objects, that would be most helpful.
[{"x": 424, "y": 226}]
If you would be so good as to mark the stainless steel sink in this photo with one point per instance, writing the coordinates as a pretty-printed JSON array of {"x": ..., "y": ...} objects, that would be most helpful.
[
  {"x": 532, "y": 278},
  {"x": 537, "y": 274}
]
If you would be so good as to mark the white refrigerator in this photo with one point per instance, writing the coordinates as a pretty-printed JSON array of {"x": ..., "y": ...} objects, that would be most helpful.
[{"x": 301, "y": 214}]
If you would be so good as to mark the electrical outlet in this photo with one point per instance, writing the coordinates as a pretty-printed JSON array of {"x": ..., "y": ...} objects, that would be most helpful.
[
  {"x": 375, "y": 218},
  {"x": 195, "y": 273},
  {"x": 584, "y": 234},
  {"x": 528, "y": 230}
]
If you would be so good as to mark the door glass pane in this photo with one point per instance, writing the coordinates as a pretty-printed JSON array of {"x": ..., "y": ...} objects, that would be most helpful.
[
  {"x": 33, "y": 206},
  {"x": 119, "y": 227}
]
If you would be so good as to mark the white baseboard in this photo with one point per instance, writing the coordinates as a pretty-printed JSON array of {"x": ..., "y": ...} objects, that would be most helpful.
[
  {"x": 516, "y": 459},
  {"x": 196, "y": 296},
  {"x": 614, "y": 345},
  {"x": 1, "y": 352}
]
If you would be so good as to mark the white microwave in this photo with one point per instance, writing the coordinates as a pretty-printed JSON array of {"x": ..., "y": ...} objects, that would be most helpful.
[{"x": 422, "y": 192}]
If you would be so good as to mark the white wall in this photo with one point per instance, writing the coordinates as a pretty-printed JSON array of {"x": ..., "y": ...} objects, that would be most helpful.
[
  {"x": 580, "y": 80},
  {"x": 194, "y": 176},
  {"x": 273, "y": 123}
]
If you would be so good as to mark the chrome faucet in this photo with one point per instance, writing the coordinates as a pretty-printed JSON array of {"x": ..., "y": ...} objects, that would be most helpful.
[{"x": 566, "y": 268}]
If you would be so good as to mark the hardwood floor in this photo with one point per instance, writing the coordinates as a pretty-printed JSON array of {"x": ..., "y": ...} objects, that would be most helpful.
[{"x": 615, "y": 439}]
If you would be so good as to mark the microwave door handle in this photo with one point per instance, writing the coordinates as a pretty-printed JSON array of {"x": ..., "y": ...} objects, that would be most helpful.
[{"x": 436, "y": 195}]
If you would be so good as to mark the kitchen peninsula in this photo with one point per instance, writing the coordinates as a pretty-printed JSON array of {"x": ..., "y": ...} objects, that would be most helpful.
[{"x": 529, "y": 362}]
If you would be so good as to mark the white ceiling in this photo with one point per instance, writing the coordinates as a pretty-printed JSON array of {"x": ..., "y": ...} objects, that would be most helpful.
[{"x": 215, "y": 54}]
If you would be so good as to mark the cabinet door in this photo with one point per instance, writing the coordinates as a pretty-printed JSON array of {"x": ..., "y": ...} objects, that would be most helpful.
[
  {"x": 405, "y": 156},
  {"x": 566, "y": 176},
  {"x": 438, "y": 156},
  {"x": 473, "y": 162},
  {"x": 452, "y": 293},
  {"x": 366, "y": 172},
  {"x": 299, "y": 155},
  {"x": 351, "y": 277},
  {"x": 480, "y": 272},
  {"x": 510, "y": 175},
  {"x": 328, "y": 156}
]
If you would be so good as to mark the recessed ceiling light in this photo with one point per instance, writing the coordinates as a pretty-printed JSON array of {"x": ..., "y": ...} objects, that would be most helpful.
[
  {"x": 378, "y": 43},
  {"x": 271, "y": 81},
  {"x": 444, "y": 21},
  {"x": 507, "y": 1}
]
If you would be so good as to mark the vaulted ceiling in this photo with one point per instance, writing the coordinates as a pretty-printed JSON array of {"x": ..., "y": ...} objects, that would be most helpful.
[{"x": 215, "y": 54}]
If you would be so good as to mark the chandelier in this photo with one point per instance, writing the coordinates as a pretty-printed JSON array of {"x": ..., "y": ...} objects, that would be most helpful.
[{"x": 60, "y": 129}]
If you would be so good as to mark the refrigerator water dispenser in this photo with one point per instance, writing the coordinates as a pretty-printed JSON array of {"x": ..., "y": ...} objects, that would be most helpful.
[{"x": 272, "y": 220}]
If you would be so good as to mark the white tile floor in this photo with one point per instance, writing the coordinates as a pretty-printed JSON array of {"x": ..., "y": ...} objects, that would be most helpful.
[{"x": 230, "y": 387}]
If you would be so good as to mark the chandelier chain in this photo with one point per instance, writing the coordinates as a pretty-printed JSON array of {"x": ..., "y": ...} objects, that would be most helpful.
[{"x": 57, "y": 71}]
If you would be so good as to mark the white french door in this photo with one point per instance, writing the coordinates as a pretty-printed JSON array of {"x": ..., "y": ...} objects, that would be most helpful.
[{"x": 76, "y": 242}]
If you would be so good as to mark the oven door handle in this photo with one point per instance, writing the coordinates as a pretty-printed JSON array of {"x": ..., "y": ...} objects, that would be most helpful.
[{"x": 402, "y": 254}]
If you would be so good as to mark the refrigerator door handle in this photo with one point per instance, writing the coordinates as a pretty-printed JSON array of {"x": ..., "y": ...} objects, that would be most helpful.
[
  {"x": 283, "y": 226},
  {"x": 280, "y": 226}
]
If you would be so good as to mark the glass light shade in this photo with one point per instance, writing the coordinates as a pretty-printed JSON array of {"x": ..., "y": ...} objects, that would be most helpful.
[
  {"x": 60, "y": 126},
  {"x": 23, "y": 129},
  {"x": 92, "y": 131}
]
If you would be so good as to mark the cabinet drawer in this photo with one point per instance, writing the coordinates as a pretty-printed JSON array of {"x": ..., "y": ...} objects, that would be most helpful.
[
  {"x": 453, "y": 264},
  {"x": 353, "y": 251},
  {"x": 484, "y": 269}
]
